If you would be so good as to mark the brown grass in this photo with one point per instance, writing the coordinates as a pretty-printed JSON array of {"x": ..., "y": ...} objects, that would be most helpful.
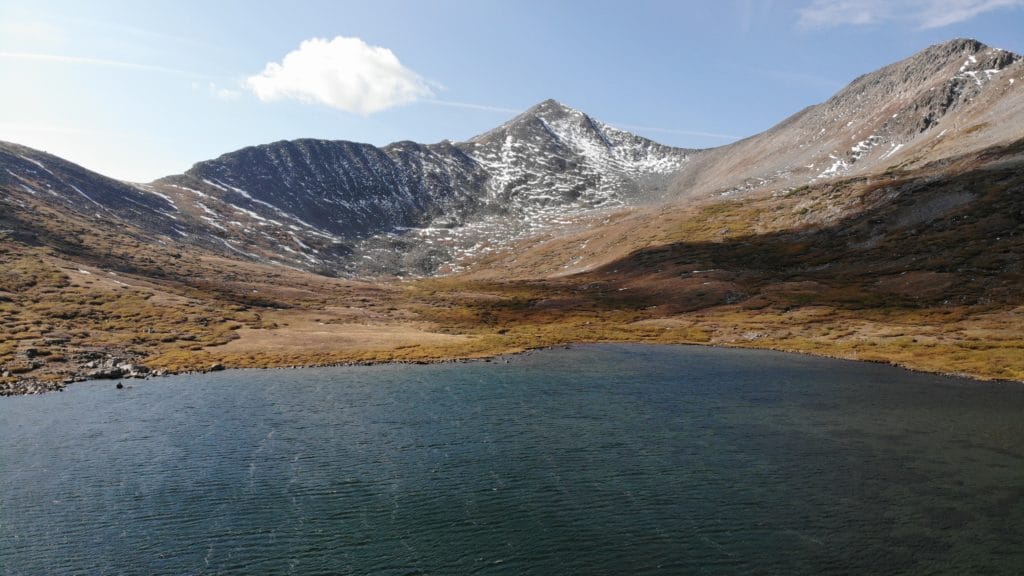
[{"x": 832, "y": 269}]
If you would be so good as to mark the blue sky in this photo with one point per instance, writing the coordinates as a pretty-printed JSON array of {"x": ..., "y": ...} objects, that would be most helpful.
[{"x": 138, "y": 90}]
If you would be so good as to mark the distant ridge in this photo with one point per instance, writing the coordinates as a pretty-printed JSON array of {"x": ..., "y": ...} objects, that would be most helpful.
[
  {"x": 351, "y": 209},
  {"x": 947, "y": 99}
]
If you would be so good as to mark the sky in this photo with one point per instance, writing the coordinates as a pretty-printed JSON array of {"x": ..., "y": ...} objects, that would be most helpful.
[{"x": 139, "y": 90}]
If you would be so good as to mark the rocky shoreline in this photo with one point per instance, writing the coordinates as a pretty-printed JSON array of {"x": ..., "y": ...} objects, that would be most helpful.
[
  {"x": 101, "y": 368},
  {"x": 116, "y": 368}
]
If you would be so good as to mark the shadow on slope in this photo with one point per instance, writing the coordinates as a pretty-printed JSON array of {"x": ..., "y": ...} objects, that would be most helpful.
[{"x": 926, "y": 240}]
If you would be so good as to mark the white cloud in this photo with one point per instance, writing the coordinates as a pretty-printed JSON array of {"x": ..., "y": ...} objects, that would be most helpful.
[
  {"x": 224, "y": 94},
  {"x": 922, "y": 13},
  {"x": 343, "y": 73},
  {"x": 828, "y": 13},
  {"x": 62, "y": 59},
  {"x": 937, "y": 14}
]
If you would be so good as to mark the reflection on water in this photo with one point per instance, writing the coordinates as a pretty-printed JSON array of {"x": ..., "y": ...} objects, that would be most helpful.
[{"x": 595, "y": 460}]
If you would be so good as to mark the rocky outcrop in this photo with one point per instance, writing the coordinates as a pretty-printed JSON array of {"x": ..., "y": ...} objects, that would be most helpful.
[
  {"x": 29, "y": 386},
  {"x": 410, "y": 208},
  {"x": 949, "y": 99},
  {"x": 113, "y": 367}
]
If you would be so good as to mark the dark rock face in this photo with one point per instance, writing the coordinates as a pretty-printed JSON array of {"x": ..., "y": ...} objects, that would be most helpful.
[
  {"x": 51, "y": 179},
  {"x": 356, "y": 210},
  {"x": 414, "y": 208},
  {"x": 348, "y": 189}
]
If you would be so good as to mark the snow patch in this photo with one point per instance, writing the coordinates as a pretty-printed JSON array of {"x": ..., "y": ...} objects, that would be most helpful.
[
  {"x": 214, "y": 185},
  {"x": 213, "y": 223},
  {"x": 187, "y": 189},
  {"x": 862, "y": 147},
  {"x": 243, "y": 252},
  {"x": 838, "y": 166},
  {"x": 37, "y": 163},
  {"x": 150, "y": 190},
  {"x": 895, "y": 148},
  {"x": 84, "y": 195}
]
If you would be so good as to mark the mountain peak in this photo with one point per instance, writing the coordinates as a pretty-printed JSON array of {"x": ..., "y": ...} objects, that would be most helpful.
[
  {"x": 548, "y": 106},
  {"x": 958, "y": 63},
  {"x": 547, "y": 110},
  {"x": 959, "y": 44},
  {"x": 963, "y": 53},
  {"x": 955, "y": 49}
]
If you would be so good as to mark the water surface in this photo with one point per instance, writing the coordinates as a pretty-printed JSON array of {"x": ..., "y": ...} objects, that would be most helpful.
[{"x": 594, "y": 460}]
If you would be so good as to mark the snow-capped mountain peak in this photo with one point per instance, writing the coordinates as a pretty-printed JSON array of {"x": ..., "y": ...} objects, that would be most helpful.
[{"x": 410, "y": 207}]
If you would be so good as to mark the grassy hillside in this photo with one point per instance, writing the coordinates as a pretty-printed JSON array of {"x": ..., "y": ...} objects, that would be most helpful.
[{"x": 921, "y": 268}]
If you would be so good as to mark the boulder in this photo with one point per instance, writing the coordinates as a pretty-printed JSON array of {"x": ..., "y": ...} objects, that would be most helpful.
[
  {"x": 106, "y": 373},
  {"x": 134, "y": 370}
]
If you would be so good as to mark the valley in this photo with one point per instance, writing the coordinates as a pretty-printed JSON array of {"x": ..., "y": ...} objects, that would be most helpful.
[{"x": 886, "y": 224}]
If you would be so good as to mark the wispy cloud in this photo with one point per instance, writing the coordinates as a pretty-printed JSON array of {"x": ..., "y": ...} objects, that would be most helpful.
[
  {"x": 17, "y": 131},
  {"x": 344, "y": 73},
  {"x": 81, "y": 60},
  {"x": 822, "y": 14},
  {"x": 749, "y": 13},
  {"x": 223, "y": 94},
  {"x": 938, "y": 14},
  {"x": 470, "y": 106},
  {"x": 33, "y": 32}
]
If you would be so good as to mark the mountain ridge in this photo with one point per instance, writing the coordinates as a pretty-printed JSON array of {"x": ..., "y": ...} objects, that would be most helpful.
[
  {"x": 884, "y": 224},
  {"x": 459, "y": 198},
  {"x": 354, "y": 209},
  {"x": 893, "y": 114}
]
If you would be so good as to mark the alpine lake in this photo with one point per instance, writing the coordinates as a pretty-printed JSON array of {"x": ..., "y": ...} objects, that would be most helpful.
[{"x": 602, "y": 459}]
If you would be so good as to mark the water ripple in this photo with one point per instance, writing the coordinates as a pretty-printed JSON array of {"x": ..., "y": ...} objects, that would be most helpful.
[{"x": 596, "y": 460}]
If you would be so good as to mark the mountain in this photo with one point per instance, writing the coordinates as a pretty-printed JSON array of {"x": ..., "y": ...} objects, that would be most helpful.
[
  {"x": 885, "y": 223},
  {"x": 33, "y": 175},
  {"x": 410, "y": 207},
  {"x": 356, "y": 210},
  {"x": 344, "y": 208},
  {"x": 948, "y": 99},
  {"x": 948, "y": 102}
]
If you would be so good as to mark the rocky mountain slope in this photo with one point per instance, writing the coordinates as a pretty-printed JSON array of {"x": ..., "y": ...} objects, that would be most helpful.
[
  {"x": 355, "y": 209},
  {"x": 343, "y": 208},
  {"x": 948, "y": 99},
  {"x": 886, "y": 224},
  {"x": 30, "y": 176}
]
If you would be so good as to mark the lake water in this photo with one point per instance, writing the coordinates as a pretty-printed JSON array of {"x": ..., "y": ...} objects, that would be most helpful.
[{"x": 592, "y": 460}]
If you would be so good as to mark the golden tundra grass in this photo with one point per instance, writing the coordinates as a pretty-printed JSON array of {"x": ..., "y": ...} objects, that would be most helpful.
[{"x": 864, "y": 269}]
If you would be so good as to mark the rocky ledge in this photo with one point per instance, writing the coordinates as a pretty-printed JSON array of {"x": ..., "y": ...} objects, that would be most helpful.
[{"x": 95, "y": 368}]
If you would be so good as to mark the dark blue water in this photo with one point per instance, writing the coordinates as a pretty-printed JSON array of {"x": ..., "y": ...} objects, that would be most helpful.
[{"x": 595, "y": 460}]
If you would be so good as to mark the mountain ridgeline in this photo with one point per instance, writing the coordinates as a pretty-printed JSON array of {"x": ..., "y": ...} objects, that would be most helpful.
[
  {"x": 413, "y": 208},
  {"x": 952, "y": 98},
  {"x": 348, "y": 209},
  {"x": 886, "y": 223}
]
